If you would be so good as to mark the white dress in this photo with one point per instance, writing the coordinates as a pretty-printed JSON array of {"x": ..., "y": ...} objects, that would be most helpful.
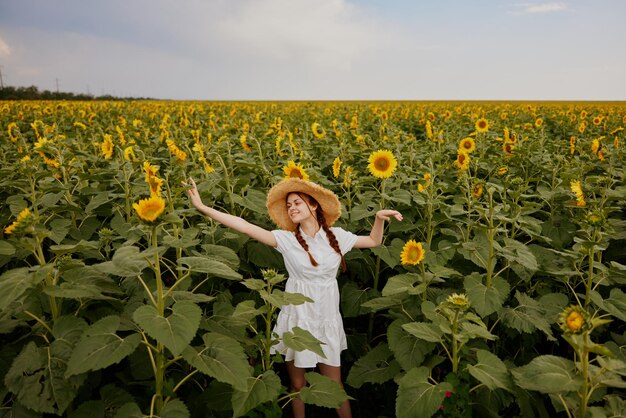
[{"x": 321, "y": 318}]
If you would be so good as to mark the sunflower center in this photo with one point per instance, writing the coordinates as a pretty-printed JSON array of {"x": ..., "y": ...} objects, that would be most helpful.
[
  {"x": 482, "y": 124},
  {"x": 296, "y": 173},
  {"x": 461, "y": 158},
  {"x": 382, "y": 164},
  {"x": 414, "y": 254}
]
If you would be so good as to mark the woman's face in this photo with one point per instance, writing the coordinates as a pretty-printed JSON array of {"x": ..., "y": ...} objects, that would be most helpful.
[{"x": 298, "y": 209}]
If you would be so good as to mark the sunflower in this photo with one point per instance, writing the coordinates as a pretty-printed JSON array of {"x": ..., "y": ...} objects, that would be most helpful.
[
  {"x": 107, "y": 147},
  {"x": 151, "y": 170},
  {"x": 318, "y": 131},
  {"x": 456, "y": 301},
  {"x": 175, "y": 150},
  {"x": 429, "y": 130},
  {"x": 155, "y": 185},
  {"x": 597, "y": 120},
  {"x": 462, "y": 161},
  {"x": 129, "y": 154},
  {"x": 347, "y": 176},
  {"x": 507, "y": 148},
  {"x": 243, "y": 140},
  {"x": 151, "y": 208},
  {"x": 572, "y": 145},
  {"x": 538, "y": 122},
  {"x": 20, "y": 221},
  {"x": 13, "y": 131},
  {"x": 467, "y": 145},
  {"x": 295, "y": 170},
  {"x": 502, "y": 170},
  {"x": 596, "y": 145},
  {"x": 574, "y": 320},
  {"x": 482, "y": 125},
  {"x": 577, "y": 189},
  {"x": 477, "y": 190},
  {"x": 412, "y": 253},
  {"x": 382, "y": 164},
  {"x": 336, "y": 167}
]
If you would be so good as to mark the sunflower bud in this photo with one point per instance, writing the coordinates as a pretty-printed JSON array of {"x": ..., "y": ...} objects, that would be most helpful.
[{"x": 574, "y": 320}]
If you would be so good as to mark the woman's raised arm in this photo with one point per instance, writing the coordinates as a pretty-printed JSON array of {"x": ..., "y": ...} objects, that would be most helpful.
[
  {"x": 231, "y": 221},
  {"x": 375, "y": 238}
]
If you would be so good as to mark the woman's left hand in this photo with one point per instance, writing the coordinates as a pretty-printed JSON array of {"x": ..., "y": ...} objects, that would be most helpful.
[{"x": 386, "y": 214}]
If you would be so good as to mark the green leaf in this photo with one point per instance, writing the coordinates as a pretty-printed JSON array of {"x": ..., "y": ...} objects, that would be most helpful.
[
  {"x": 471, "y": 331},
  {"x": 322, "y": 391},
  {"x": 177, "y": 330},
  {"x": 261, "y": 389},
  {"x": 377, "y": 366},
  {"x": 527, "y": 316},
  {"x": 14, "y": 283},
  {"x": 89, "y": 409},
  {"x": 6, "y": 248},
  {"x": 129, "y": 410},
  {"x": 299, "y": 339},
  {"x": 486, "y": 300},
  {"x": 254, "y": 284},
  {"x": 80, "y": 246},
  {"x": 548, "y": 374},
  {"x": 126, "y": 262},
  {"x": 100, "y": 347},
  {"x": 37, "y": 378},
  {"x": 352, "y": 297},
  {"x": 180, "y": 295},
  {"x": 278, "y": 298},
  {"x": 223, "y": 254},
  {"x": 615, "y": 304},
  {"x": 424, "y": 331},
  {"x": 417, "y": 397},
  {"x": 254, "y": 200},
  {"x": 401, "y": 283},
  {"x": 97, "y": 201},
  {"x": 517, "y": 252},
  {"x": 384, "y": 302},
  {"x": 389, "y": 254},
  {"x": 491, "y": 371},
  {"x": 221, "y": 357},
  {"x": 207, "y": 265},
  {"x": 409, "y": 350},
  {"x": 175, "y": 409}
]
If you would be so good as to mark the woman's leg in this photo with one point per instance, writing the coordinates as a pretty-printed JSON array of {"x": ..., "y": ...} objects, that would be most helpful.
[
  {"x": 297, "y": 381},
  {"x": 334, "y": 373}
]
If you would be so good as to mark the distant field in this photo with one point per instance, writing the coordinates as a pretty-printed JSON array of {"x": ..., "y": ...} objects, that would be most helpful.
[{"x": 500, "y": 294}]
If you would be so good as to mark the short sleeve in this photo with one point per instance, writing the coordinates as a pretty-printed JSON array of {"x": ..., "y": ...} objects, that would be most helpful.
[
  {"x": 345, "y": 239},
  {"x": 283, "y": 239}
]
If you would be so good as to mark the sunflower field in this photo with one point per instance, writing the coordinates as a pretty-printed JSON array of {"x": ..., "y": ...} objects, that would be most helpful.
[{"x": 499, "y": 294}]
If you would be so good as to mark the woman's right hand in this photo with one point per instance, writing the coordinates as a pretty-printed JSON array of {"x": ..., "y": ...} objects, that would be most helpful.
[{"x": 193, "y": 194}]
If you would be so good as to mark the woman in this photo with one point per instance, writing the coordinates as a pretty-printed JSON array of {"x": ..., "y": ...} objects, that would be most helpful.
[{"x": 313, "y": 252}]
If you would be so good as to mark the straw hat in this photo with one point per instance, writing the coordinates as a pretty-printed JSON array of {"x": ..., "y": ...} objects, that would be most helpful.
[{"x": 277, "y": 201}]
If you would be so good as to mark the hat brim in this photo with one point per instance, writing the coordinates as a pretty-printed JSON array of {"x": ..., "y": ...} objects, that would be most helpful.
[{"x": 277, "y": 201}]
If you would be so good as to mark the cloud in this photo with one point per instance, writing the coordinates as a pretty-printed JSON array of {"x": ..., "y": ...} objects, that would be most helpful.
[
  {"x": 542, "y": 7},
  {"x": 326, "y": 34},
  {"x": 5, "y": 51}
]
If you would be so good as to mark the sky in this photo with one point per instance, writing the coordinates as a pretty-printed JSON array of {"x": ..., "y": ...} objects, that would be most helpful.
[{"x": 318, "y": 49}]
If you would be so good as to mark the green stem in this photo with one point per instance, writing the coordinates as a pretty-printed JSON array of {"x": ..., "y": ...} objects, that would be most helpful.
[
  {"x": 589, "y": 283},
  {"x": 227, "y": 181},
  {"x": 490, "y": 235},
  {"x": 455, "y": 343},
  {"x": 160, "y": 366},
  {"x": 584, "y": 390},
  {"x": 370, "y": 324}
]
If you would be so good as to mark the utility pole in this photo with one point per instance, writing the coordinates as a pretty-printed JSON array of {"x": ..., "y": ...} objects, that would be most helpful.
[
  {"x": 57, "y": 81},
  {"x": 1, "y": 81}
]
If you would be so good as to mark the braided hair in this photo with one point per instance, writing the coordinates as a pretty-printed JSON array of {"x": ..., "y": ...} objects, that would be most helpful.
[{"x": 321, "y": 220}]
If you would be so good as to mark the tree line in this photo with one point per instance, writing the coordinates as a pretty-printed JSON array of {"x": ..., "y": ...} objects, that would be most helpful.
[{"x": 33, "y": 93}]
